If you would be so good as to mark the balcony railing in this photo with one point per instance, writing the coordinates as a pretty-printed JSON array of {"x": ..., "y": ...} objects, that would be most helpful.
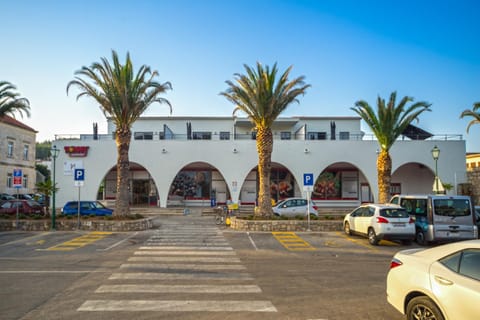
[{"x": 249, "y": 136}]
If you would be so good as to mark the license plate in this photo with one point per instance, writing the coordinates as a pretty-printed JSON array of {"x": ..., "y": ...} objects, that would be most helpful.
[{"x": 397, "y": 225}]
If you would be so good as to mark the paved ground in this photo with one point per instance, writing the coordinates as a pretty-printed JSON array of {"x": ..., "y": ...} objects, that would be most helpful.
[{"x": 189, "y": 268}]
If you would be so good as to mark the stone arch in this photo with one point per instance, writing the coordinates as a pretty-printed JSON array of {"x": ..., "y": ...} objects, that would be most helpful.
[{"x": 412, "y": 177}]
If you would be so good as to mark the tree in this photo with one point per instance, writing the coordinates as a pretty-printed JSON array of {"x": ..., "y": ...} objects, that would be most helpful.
[
  {"x": 46, "y": 188},
  {"x": 474, "y": 113},
  {"x": 10, "y": 102},
  {"x": 123, "y": 96},
  {"x": 387, "y": 125},
  {"x": 263, "y": 98},
  {"x": 43, "y": 150}
]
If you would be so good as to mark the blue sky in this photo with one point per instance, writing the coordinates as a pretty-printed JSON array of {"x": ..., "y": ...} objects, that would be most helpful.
[{"x": 347, "y": 50}]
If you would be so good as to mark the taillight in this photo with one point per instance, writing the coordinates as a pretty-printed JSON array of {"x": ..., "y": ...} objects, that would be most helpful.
[
  {"x": 381, "y": 220},
  {"x": 315, "y": 207},
  {"x": 411, "y": 220},
  {"x": 395, "y": 263}
]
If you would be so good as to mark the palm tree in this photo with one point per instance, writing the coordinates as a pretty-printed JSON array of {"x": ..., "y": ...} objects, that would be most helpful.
[
  {"x": 10, "y": 102},
  {"x": 46, "y": 188},
  {"x": 263, "y": 98},
  {"x": 123, "y": 96},
  {"x": 474, "y": 113},
  {"x": 387, "y": 125}
]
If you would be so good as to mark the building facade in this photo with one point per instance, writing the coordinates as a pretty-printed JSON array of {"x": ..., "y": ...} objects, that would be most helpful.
[
  {"x": 203, "y": 161},
  {"x": 17, "y": 152}
]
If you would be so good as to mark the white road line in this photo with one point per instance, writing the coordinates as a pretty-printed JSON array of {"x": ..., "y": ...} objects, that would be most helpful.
[
  {"x": 186, "y": 248},
  {"x": 181, "y": 276},
  {"x": 182, "y": 266},
  {"x": 177, "y": 305},
  {"x": 24, "y": 239},
  {"x": 118, "y": 243},
  {"x": 184, "y": 253},
  {"x": 185, "y": 259},
  {"x": 251, "y": 241},
  {"x": 139, "y": 288}
]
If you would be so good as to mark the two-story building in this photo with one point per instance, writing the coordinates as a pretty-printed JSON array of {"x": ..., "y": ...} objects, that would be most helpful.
[
  {"x": 17, "y": 153},
  {"x": 197, "y": 161}
]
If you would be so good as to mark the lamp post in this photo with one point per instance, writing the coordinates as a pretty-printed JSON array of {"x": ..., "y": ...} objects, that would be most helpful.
[
  {"x": 54, "y": 152},
  {"x": 435, "y": 154}
]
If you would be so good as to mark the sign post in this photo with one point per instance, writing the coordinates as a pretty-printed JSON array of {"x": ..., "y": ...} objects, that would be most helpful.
[
  {"x": 79, "y": 176},
  {"x": 17, "y": 184},
  {"x": 308, "y": 187}
]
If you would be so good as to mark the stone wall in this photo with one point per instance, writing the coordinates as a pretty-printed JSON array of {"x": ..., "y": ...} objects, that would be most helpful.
[
  {"x": 72, "y": 224},
  {"x": 285, "y": 225},
  {"x": 473, "y": 177}
]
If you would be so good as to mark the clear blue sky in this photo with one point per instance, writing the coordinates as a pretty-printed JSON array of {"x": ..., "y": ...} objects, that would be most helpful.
[{"x": 347, "y": 50}]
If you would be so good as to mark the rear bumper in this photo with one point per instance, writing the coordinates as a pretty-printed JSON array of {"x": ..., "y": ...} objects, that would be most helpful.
[{"x": 396, "y": 236}]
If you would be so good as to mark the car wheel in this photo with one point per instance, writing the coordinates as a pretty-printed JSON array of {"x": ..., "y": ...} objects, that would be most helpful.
[
  {"x": 347, "y": 230},
  {"x": 372, "y": 237},
  {"x": 423, "y": 308},
  {"x": 420, "y": 237}
]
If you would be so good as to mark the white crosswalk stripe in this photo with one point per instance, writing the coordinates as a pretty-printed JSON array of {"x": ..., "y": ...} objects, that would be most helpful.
[{"x": 181, "y": 261}]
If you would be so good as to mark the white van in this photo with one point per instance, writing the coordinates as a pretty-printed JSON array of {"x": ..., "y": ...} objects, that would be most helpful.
[{"x": 440, "y": 217}]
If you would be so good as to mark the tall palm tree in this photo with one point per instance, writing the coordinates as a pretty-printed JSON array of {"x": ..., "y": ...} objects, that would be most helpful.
[
  {"x": 387, "y": 125},
  {"x": 123, "y": 96},
  {"x": 10, "y": 102},
  {"x": 263, "y": 98},
  {"x": 474, "y": 113}
]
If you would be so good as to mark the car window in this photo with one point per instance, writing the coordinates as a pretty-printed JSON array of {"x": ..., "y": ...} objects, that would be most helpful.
[
  {"x": 394, "y": 213},
  {"x": 465, "y": 262},
  {"x": 72, "y": 205},
  {"x": 84, "y": 205},
  {"x": 394, "y": 200},
  {"x": 370, "y": 212},
  {"x": 7, "y": 205},
  {"x": 452, "y": 207},
  {"x": 357, "y": 213}
]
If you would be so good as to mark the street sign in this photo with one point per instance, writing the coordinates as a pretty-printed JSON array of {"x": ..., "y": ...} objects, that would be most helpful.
[
  {"x": 79, "y": 176},
  {"x": 308, "y": 182},
  {"x": 17, "y": 178}
]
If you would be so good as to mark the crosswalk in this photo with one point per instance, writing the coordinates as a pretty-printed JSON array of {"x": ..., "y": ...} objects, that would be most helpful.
[{"x": 181, "y": 268}]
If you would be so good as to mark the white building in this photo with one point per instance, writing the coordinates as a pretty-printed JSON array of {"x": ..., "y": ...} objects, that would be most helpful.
[{"x": 192, "y": 160}]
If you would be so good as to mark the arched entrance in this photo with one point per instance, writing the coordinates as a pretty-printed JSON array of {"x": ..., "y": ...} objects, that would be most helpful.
[{"x": 412, "y": 178}]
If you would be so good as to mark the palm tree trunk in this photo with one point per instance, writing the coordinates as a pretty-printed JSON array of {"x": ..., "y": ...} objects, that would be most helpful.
[
  {"x": 384, "y": 175},
  {"x": 264, "y": 149},
  {"x": 123, "y": 137}
]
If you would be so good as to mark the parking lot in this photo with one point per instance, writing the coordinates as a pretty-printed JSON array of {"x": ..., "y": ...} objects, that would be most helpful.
[{"x": 188, "y": 268}]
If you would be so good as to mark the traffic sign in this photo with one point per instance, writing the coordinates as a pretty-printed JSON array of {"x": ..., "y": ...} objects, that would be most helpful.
[
  {"x": 17, "y": 178},
  {"x": 308, "y": 182},
  {"x": 79, "y": 176}
]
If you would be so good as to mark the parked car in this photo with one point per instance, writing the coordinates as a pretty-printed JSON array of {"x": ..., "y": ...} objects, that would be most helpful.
[
  {"x": 440, "y": 218},
  {"x": 5, "y": 196},
  {"x": 24, "y": 206},
  {"x": 477, "y": 218},
  {"x": 22, "y": 196},
  {"x": 436, "y": 283},
  {"x": 380, "y": 221},
  {"x": 292, "y": 207},
  {"x": 86, "y": 208}
]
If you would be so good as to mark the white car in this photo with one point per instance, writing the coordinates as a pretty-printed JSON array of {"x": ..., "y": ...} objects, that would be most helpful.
[
  {"x": 292, "y": 207},
  {"x": 380, "y": 221},
  {"x": 441, "y": 283}
]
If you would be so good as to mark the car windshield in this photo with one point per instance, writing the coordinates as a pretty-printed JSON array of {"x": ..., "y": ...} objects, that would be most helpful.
[
  {"x": 394, "y": 213},
  {"x": 98, "y": 205},
  {"x": 452, "y": 207}
]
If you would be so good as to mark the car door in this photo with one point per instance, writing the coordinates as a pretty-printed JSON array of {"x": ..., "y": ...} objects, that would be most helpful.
[
  {"x": 354, "y": 219},
  {"x": 456, "y": 284},
  {"x": 365, "y": 220}
]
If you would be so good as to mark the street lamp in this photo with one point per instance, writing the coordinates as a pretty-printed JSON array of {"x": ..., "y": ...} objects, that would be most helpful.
[
  {"x": 435, "y": 154},
  {"x": 54, "y": 152}
]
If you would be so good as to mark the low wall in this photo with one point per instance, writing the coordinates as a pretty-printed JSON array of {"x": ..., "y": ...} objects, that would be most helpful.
[
  {"x": 72, "y": 224},
  {"x": 285, "y": 225}
]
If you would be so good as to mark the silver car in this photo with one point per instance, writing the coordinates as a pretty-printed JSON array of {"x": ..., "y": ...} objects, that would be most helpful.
[{"x": 292, "y": 207}]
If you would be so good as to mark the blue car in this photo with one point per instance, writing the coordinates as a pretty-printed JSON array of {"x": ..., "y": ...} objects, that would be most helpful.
[{"x": 87, "y": 208}]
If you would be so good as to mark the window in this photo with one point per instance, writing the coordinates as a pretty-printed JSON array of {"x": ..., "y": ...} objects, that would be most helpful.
[
  {"x": 9, "y": 180},
  {"x": 143, "y": 135},
  {"x": 25, "y": 181},
  {"x": 254, "y": 135},
  {"x": 199, "y": 135},
  {"x": 464, "y": 262},
  {"x": 25, "y": 152},
  {"x": 10, "y": 149},
  {"x": 317, "y": 136},
  {"x": 395, "y": 188},
  {"x": 224, "y": 135},
  {"x": 285, "y": 135},
  {"x": 344, "y": 135}
]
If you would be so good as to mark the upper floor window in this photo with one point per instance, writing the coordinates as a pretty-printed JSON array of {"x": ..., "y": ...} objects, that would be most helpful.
[
  {"x": 317, "y": 136},
  {"x": 25, "y": 181},
  {"x": 25, "y": 152},
  {"x": 285, "y": 135},
  {"x": 198, "y": 135},
  {"x": 344, "y": 135},
  {"x": 143, "y": 135},
  {"x": 224, "y": 135},
  {"x": 10, "y": 149}
]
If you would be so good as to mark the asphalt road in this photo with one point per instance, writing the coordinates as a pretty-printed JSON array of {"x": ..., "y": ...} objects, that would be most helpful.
[{"x": 188, "y": 268}]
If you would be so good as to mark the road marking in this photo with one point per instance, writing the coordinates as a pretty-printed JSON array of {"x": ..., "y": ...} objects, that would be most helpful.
[
  {"x": 292, "y": 242},
  {"x": 355, "y": 241},
  {"x": 184, "y": 253},
  {"x": 182, "y": 266},
  {"x": 23, "y": 239},
  {"x": 178, "y": 305},
  {"x": 152, "y": 288},
  {"x": 78, "y": 242},
  {"x": 118, "y": 243},
  {"x": 185, "y": 259},
  {"x": 204, "y": 247},
  {"x": 251, "y": 241},
  {"x": 181, "y": 276}
]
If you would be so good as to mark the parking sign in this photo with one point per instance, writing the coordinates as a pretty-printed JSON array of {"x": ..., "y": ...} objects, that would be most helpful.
[
  {"x": 308, "y": 181},
  {"x": 79, "y": 176},
  {"x": 17, "y": 178}
]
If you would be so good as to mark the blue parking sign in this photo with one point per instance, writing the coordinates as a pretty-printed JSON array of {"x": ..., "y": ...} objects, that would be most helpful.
[
  {"x": 308, "y": 179},
  {"x": 79, "y": 174}
]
